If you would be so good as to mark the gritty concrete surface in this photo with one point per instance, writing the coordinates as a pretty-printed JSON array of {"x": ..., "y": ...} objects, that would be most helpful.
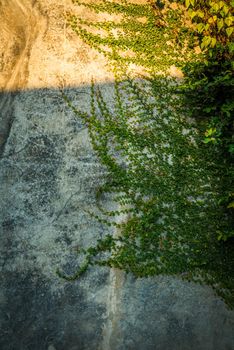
[{"x": 48, "y": 176}]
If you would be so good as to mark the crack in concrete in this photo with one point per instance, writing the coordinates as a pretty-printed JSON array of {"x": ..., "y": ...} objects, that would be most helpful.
[{"x": 111, "y": 328}]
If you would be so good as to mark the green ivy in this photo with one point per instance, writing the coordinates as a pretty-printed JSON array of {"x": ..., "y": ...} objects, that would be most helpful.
[
  {"x": 155, "y": 48},
  {"x": 166, "y": 183}
]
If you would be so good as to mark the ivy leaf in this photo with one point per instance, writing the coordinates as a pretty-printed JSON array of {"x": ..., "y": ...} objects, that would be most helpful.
[
  {"x": 209, "y": 139},
  {"x": 210, "y": 20},
  {"x": 230, "y": 205},
  {"x": 210, "y": 132},
  {"x": 206, "y": 41},
  {"x": 193, "y": 14},
  {"x": 215, "y": 7},
  {"x": 200, "y": 27},
  {"x": 220, "y": 24},
  {"x": 187, "y": 3},
  {"x": 200, "y": 14},
  {"x": 213, "y": 42},
  {"x": 229, "y": 31},
  {"x": 231, "y": 148},
  {"x": 225, "y": 10},
  {"x": 207, "y": 109},
  {"x": 221, "y": 4},
  {"x": 228, "y": 21}
]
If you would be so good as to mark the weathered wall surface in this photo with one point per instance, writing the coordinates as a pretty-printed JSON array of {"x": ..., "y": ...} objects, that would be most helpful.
[{"x": 48, "y": 176}]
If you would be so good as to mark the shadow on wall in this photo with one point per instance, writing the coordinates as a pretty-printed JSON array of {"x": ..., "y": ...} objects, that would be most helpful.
[
  {"x": 48, "y": 173},
  {"x": 44, "y": 101}
]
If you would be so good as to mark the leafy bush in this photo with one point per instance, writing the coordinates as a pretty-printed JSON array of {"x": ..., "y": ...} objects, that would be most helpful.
[
  {"x": 209, "y": 84},
  {"x": 214, "y": 23}
]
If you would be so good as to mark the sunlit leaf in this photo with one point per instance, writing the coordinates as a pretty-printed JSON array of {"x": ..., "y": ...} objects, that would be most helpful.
[{"x": 229, "y": 31}]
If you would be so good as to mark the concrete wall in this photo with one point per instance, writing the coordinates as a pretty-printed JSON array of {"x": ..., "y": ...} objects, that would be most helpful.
[{"x": 48, "y": 176}]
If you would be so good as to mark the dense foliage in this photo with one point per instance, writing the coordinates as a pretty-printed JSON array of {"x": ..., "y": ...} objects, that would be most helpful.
[
  {"x": 167, "y": 184},
  {"x": 209, "y": 84}
]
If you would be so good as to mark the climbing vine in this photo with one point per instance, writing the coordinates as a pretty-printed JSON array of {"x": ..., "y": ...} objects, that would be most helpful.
[
  {"x": 139, "y": 36},
  {"x": 166, "y": 185}
]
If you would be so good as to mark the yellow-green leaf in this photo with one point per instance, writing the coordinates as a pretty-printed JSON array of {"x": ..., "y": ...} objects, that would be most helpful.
[
  {"x": 210, "y": 132},
  {"x": 221, "y": 4},
  {"x": 229, "y": 31},
  {"x": 220, "y": 24},
  {"x": 210, "y": 20},
  {"x": 193, "y": 14},
  {"x": 200, "y": 14},
  {"x": 230, "y": 205},
  {"x": 215, "y": 7},
  {"x": 225, "y": 9},
  {"x": 213, "y": 42},
  {"x": 228, "y": 21},
  {"x": 200, "y": 27}
]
